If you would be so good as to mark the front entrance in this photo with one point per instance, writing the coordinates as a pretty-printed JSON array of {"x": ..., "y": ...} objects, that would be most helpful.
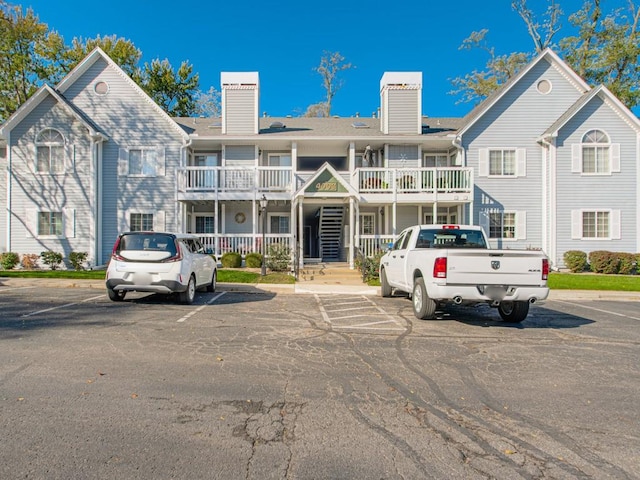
[{"x": 324, "y": 233}]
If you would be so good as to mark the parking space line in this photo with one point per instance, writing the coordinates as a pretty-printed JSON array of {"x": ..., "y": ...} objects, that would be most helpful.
[
  {"x": 582, "y": 305},
  {"x": 61, "y": 306},
  {"x": 193, "y": 312},
  {"x": 328, "y": 314}
]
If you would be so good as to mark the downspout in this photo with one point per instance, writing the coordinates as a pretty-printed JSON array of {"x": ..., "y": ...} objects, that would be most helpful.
[
  {"x": 465, "y": 218},
  {"x": 9, "y": 175},
  {"x": 96, "y": 150},
  {"x": 179, "y": 212},
  {"x": 548, "y": 209}
]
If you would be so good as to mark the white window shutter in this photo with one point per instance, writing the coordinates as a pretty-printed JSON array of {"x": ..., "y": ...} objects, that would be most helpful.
[
  {"x": 615, "y": 157},
  {"x": 521, "y": 225},
  {"x": 576, "y": 224},
  {"x": 70, "y": 158},
  {"x": 158, "y": 221},
  {"x": 123, "y": 162},
  {"x": 125, "y": 221},
  {"x": 576, "y": 158},
  {"x": 615, "y": 225},
  {"x": 69, "y": 216},
  {"x": 483, "y": 162},
  {"x": 160, "y": 162},
  {"x": 483, "y": 221},
  {"x": 521, "y": 162}
]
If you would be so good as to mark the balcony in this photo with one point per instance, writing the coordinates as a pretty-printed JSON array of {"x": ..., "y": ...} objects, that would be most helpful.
[{"x": 195, "y": 181}]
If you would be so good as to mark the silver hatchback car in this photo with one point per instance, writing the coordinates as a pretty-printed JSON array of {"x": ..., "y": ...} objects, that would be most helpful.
[{"x": 160, "y": 262}]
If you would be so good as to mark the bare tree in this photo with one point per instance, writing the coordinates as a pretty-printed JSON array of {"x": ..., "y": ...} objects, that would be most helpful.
[{"x": 331, "y": 64}]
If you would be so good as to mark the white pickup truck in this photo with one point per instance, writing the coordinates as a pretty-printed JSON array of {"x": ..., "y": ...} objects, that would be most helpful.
[{"x": 441, "y": 264}]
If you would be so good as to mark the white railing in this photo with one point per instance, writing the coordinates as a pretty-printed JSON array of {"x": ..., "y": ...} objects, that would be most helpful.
[
  {"x": 237, "y": 179},
  {"x": 220, "y": 244},
  {"x": 372, "y": 244},
  {"x": 406, "y": 180}
]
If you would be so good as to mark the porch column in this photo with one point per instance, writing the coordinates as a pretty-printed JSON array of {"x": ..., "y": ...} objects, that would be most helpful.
[
  {"x": 354, "y": 230},
  {"x": 293, "y": 232},
  {"x": 300, "y": 234}
]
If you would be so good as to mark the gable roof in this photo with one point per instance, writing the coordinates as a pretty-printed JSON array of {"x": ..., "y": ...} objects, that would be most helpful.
[
  {"x": 605, "y": 94},
  {"x": 322, "y": 172},
  {"x": 549, "y": 55},
  {"x": 96, "y": 54},
  {"x": 27, "y": 107}
]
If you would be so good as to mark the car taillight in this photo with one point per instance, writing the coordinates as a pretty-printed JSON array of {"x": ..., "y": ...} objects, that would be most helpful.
[
  {"x": 114, "y": 253},
  {"x": 440, "y": 268},
  {"x": 545, "y": 269},
  {"x": 177, "y": 257}
]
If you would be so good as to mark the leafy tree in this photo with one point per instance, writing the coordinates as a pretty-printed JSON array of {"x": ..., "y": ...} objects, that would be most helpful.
[
  {"x": 27, "y": 52},
  {"x": 605, "y": 50},
  {"x": 173, "y": 91},
  {"x": 120, "y": 50},
  {"x": 331, "y": 64},
  {"x": 208, "y": 103}
]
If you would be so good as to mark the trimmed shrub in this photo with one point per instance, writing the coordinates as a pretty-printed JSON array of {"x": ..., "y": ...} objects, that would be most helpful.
[
  {"x": 77, "y": 259},
  {"x": 231, "y": 260},
  {"x": 627, "y": 264},
  {"x": 602, "y": 261},
  {"x": 278, "y": 257},
  {"x": 371, "y": 268},
  {"x": 575, "y": 260},
  {"x": 30, "y": 261},
  {"x": 8, "y": 260},
  {"x": 253, "y": 260},
  {"x": 52, "y": 259}
]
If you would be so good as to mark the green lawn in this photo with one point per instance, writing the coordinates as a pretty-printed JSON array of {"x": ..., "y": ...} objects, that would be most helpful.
[
  {"x": 557, "y": 281},
  {"x": 224, "y": 275}
]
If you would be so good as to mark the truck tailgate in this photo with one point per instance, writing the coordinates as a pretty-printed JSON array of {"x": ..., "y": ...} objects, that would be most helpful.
[{"x": 494, "y": 267}]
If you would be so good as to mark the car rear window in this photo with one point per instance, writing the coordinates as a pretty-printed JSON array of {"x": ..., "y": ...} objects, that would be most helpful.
[
  {"x": 450, "y": 238},
  {"x": 148, "y": 241}
]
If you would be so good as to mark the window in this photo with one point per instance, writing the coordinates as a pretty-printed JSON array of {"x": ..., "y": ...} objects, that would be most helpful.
[
  {"x": 595, "y": 224},
  {"x": 50, "y": 151},
  {"x": 205, "y": 224},
  {"x": 280, "y": 160},
  {"x": 278, "y": 224},
  {"x": 502, "y": 225},
  {"x": 367, "y": 224},
  {"x": 141, "y": 222},
  {"x": 50, "y": 223},
  {"x": 436, "y": 160},
  {"x": 143, "y": 162},
  {"x": 595, "y": 152},
  {"x": 502, "y": 162}
]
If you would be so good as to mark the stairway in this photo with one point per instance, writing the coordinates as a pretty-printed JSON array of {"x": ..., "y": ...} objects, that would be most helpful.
[{"x": 330, "y": 231}]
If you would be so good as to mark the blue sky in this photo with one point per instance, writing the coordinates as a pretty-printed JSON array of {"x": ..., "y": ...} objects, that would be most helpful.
[{"x": 285, "y": 40}]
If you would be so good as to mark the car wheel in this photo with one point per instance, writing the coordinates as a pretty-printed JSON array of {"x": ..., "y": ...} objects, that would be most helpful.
[
  {"x": 423, "y": 306},
  {"x": 385, "y": 288},
  {"x": 513, "y": 312},
  {"x": 116, "y": 295},
  {"x": 214, "y": 278},
  {"x": 189, "y": 294}
]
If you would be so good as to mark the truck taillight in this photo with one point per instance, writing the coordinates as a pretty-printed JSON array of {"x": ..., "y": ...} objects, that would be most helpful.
[
  {"x": 545, "y": 269},
  {"x": 440, "y": 268}
]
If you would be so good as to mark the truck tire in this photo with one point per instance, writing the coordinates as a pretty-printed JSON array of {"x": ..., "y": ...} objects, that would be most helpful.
[
  {"x": 385, "y": 288},
  {"x": 513, "y": 312},
  {"x": 424, "y": 307}
]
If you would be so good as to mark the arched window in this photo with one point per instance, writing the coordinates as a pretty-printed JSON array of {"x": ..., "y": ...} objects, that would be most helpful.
[
  {"x": 50, "y": 151},
  {"x": 596, "y": 152}
]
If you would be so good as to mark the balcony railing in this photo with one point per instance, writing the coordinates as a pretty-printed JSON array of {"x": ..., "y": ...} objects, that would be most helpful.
[
  {"x": 364, "y": 180},
  {"x": 222, "y": 243},
  {"x": 372, "y": 244}
]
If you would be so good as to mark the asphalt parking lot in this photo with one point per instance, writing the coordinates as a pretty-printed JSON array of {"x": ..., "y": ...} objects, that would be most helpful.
[{"x": 268, "y": 384}]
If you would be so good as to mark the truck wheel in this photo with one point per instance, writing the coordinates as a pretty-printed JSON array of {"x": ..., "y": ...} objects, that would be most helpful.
[
  {"x": 116, "y": 295},
  {"x": 385, "y": 288},
  {"x": 189, "y": 294},
  {"x": 423, "y": 307},
  {"x": 513, "y": 312}
]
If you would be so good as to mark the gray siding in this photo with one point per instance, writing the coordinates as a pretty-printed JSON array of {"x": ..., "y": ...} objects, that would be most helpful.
[
  {"x": 3, "y": 198},
  {"x": 402, "y": 110},
  {"x": 240, "y": 155},
  {"x": 130, "y": 120},
  {"x": 32, "y": 192},
  {"x": 240, "y": 111},
  {"x": 516, "y": 121},
  {"x": 403, "y": 156},
  {"x": 617, "y": 191}
]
